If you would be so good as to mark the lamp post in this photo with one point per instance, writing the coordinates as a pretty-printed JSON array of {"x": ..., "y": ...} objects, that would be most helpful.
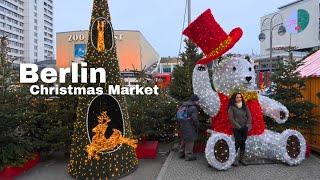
[
  {"x": 272, "y": 26},
  {"x": 189, "y": 11}
]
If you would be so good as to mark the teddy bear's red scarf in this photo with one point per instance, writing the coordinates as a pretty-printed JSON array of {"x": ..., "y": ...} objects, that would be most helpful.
[{"x": 221, "y": 123}]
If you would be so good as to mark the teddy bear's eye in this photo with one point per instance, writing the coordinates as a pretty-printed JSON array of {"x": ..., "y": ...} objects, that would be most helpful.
[
  {"x": 234, "y": 68},
  {"x": 250, "y": 69}
]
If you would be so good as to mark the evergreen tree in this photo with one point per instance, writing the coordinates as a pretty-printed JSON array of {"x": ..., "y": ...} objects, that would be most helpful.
[
  {"x": 156, "y": 120},
  {"x": 16, "y": 148},
  {"x": 122, "y": 161},
  {"x": 181, "y": 85},
  {"x": 162, "y": 114},
  {"x": 286, "y": 88},
  {"x": 30, "y": 123},
  {"x": 50, "y": 123}
]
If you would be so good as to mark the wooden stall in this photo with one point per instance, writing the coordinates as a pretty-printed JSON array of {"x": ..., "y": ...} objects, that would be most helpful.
[{"x": 310, "y": 71}]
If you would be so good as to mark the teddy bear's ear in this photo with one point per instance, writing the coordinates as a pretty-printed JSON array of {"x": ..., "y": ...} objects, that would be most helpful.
[
  {"x": 248, "y": 59},
  {"x": 217, "y": 62},
  {"x": 220, "y": 60}
]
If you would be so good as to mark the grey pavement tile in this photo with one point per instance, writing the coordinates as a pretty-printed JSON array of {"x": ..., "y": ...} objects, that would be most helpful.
[
  {"x": 178, "y": 169},
  {"x": 55, "y": 169}
]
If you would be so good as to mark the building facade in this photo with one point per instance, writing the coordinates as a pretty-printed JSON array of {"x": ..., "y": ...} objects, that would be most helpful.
[
  {"x": 263, "y": 63},
  {"x": 28, "y": 24},
  {"x": 168, "y": 64},
  {"x": 133, "y": 50},
  {"x": 301, "y": 21},
  {"x": 299, "y": 33}
]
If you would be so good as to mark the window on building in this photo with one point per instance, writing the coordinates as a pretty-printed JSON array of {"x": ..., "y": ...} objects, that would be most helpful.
[{"x": 167, "y": 70}]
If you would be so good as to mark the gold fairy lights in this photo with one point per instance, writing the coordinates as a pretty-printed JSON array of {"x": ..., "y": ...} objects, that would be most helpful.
[
  {"x": 78, "y": 166},
  {"x": 221, "y": 47},
  {"x": 101, "y": 144}
]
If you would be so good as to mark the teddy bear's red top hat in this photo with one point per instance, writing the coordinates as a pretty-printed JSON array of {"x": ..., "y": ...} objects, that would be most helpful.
[{"x": 210, "y": 37}]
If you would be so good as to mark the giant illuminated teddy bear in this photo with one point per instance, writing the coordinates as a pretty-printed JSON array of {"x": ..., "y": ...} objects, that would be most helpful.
[{"x": 237, "y": 75}]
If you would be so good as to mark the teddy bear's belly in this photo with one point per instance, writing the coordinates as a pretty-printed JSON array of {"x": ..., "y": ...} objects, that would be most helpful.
[{"x": 220, "y": 123}]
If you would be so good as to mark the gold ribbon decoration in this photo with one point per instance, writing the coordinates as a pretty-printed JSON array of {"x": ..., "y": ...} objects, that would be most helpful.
[{"x": 249, "y": 95}]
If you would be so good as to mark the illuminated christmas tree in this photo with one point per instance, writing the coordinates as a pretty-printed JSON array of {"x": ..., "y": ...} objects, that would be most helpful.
[{"x": 121, "y": 161}]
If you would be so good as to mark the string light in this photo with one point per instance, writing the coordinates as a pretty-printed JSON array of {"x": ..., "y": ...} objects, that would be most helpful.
[
  {"x": 110, "y": 165},
  {"x": 237, "y": 75},
  {"x": 210, "y": 151},
  {"x": 101, "y": 144}
]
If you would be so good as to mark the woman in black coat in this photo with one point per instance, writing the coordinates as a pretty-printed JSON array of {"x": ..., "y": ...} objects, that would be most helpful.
[{"x": 240, "y": 118}]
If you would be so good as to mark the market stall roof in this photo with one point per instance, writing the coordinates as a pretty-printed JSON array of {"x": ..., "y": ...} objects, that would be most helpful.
[{"x": 311, "y": 67}]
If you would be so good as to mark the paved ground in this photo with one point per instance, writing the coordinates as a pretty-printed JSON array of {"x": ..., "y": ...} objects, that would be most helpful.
[
  {"x": 56, "y": 169},
  {"x": 174, "y": 168},
  {"x": 177, "y": 169}
]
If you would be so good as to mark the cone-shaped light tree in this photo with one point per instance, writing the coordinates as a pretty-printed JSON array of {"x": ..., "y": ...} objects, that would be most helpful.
[{"x": 101, "y": 53}]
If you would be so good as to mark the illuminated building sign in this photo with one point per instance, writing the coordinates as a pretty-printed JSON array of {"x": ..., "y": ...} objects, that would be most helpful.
[
  {"x": 82, "y": 37},
  {"x": 298, "y": 21}
]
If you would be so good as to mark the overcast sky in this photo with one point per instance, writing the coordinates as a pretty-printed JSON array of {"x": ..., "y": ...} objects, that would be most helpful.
[{"x": 161, "y": 20}]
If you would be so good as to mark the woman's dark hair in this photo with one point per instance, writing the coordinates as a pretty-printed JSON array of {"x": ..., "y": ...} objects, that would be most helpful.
[{"x": 232, "y": 101}]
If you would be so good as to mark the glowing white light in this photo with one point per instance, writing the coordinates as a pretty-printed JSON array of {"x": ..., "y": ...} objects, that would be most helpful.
[{"x": 237, "y": 74}]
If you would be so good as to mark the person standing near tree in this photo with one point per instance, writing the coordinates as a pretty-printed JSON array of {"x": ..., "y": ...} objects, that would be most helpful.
[
  {"x": 189, "y": 124},
  {"x": 240, "y": 118}
]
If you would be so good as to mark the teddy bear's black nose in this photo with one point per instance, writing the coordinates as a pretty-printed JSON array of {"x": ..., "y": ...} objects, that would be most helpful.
[{"x": 248, "y": 78}]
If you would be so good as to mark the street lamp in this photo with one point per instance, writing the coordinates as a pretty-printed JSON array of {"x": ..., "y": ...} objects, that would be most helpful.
[{"x": 281, "y": 32}]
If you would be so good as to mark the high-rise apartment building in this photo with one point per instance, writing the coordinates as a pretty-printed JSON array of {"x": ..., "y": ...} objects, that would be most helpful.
[{"x": 28, "y": 24}]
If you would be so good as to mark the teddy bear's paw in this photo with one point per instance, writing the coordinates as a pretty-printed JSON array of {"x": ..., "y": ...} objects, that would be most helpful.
[
  {"x": 293, "y": 147},
  {"x": 220, "y": 151},
  {"x": 282, "y": 115}
]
